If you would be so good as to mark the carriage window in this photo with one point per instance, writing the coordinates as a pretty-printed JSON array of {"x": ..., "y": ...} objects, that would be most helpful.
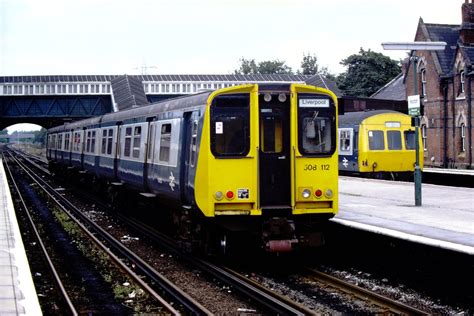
[
  {"x": 104, "y": 141},
  {"x": 151, "y": 143},
  {"x": 409, "y": 140},
  {"x": 271, "y": 134},
  {"x": 230, "y": 125},
  {"x": 60, "y": 141},
  {"x": 77, "y": 142},
  {"x": 128, "y": 141},
  {"x": 376, "y": 141},
  {"x": 136, "y": 141},
  {"x": 88, "y": 141},
  {"x": 67, "y": 138},
  {"x": 93, "y": 134},
  {"x": 192, "y": 159},
  {"x": 316, "y": 124},
  {"x": 165, "y": 142},
  {"x": 394, "y": 140},
  {"x": 110, "y": 142},
  {"x": 345, "y": 139}
]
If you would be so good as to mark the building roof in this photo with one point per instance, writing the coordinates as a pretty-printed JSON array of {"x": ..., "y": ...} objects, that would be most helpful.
[
  {"x": 394, "y": 90},
  {"x": 448, "y": 33}
]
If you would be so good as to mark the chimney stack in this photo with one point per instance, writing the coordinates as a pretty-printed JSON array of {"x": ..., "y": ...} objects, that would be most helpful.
[{"x": 467, "y": 26}]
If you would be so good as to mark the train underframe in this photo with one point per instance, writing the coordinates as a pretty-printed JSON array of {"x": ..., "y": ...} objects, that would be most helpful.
[{"x": 276, "y": 230}]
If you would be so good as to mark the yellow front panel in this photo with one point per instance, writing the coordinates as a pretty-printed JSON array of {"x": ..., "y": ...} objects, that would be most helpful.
[
  {"x": 386, "y": 160},
  {"x": 228, "y": 174},
  {"x": 313, "y": 173}
]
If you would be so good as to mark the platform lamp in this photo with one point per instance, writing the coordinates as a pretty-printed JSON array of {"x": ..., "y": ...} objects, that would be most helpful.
[{"x": 414, "y": 109}]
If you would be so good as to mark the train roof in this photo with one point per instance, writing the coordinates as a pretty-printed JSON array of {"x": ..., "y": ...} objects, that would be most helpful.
[
  {"x": 148, "y": 110},
  {"x": 355, "y": 118}
]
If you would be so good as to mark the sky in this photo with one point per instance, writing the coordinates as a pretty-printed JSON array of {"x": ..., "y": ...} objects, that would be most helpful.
[{"x": 55, "y": 37}]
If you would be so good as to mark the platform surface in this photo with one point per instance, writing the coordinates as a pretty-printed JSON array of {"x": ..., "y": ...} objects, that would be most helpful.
[
  {"x": 17, "y": 291},
  {"x": 445, "y": 219}
]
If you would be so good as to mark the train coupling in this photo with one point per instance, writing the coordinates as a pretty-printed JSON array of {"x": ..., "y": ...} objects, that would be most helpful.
[{"x": 279, "y": 234}]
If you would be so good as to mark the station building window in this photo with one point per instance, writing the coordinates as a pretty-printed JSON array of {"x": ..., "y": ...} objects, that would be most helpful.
[
  {"x": 424, "y": 137},
  {"x": 463, "y": 137},
  {"x": 423, "y": 82},
  {"x": 462, "y": 81}
]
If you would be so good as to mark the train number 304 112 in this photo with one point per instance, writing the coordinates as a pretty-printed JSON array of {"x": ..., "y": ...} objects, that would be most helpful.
[{"x": 314, "y": 167}]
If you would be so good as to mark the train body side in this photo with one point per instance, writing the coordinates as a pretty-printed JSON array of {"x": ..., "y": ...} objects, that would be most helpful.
[{"x": 377, "y": 142}]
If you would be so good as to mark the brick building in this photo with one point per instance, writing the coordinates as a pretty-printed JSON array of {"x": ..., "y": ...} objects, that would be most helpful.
[{"x": 446, "y": 84}]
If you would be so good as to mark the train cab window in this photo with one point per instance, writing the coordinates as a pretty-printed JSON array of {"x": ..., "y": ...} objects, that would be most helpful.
[
  {"x": 316, "y": 124},
  {"x": 376, "y": 141},
  {"x": 230, "y": 125},
  {"x": 165, "y": 142},
  {"x": 409, "y": 140},
  {"x": 271, "y": 134},
  {"x": 394, "y": 140}
]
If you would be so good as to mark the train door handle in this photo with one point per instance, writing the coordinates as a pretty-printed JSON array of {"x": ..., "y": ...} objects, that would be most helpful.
[{"x": 282, "y": 157}]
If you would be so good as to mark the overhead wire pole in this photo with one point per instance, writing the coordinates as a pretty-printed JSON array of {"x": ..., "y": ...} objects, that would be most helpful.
[{"x": 415, "y": 46}]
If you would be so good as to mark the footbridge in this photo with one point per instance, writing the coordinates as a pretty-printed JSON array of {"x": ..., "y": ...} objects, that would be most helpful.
[{"x": 51, "y": 100}]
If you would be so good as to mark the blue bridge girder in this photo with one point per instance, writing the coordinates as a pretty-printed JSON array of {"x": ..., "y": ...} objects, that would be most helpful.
[{"x": 49, "y": 111}]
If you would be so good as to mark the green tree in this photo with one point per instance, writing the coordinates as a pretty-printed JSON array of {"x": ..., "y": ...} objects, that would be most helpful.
[
  {"x": 249, "y": 66},
  {"x": 366, "y": 73},
  {"x": 40, "y": 136}
]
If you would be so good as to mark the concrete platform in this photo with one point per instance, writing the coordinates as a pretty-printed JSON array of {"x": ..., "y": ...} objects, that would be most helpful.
[
  {"x": 445, "y": 219},
  {"x": 17, "y": 291}
]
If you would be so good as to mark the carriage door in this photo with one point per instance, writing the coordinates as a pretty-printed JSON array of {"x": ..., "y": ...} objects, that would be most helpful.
[
  {"x": 188, "y": 155},
  {"x": 274, "y": 165}
]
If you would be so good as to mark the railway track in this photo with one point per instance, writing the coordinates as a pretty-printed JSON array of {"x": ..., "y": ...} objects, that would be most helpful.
[
  {"x": 264, "y": 297},
  {"x": 388, "y": 305},
  {"x": 107, "y": 243},
  {"x": 62, "y": 289}
]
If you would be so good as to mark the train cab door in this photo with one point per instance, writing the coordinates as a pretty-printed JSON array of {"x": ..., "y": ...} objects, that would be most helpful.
[{"x": 274, "y": 153}]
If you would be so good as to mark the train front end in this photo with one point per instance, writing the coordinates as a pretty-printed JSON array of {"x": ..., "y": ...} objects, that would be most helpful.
[{"x": 268, "y": 163}]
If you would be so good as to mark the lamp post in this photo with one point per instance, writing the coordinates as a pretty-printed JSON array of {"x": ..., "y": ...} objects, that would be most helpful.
[{"x": 415, "y": 46}]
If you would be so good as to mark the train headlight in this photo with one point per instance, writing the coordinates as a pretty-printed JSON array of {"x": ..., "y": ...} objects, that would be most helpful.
[
  {"x": 282, "y": 97},
  {"x": 229, "y": 195},
  {"x": 318, "y": 193},
  {"x": 306, "y": 193},
  {"x": 374, "y": 165},
  {"x": 328, "y": 193},
  {"x": 218, "y": 195},
  {"x": 267, "y": 97}
]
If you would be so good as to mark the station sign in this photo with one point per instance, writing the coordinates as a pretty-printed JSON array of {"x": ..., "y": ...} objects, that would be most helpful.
[{"x": 414, "y": 105}]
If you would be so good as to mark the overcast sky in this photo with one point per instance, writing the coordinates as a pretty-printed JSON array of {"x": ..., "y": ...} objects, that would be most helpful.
[{"x": 49, "y": 37}]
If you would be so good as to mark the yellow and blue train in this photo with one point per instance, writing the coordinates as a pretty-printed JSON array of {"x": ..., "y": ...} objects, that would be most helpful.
[
  {"x": 258, "y": 158},
  {"x": 377, "y": 144}
]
